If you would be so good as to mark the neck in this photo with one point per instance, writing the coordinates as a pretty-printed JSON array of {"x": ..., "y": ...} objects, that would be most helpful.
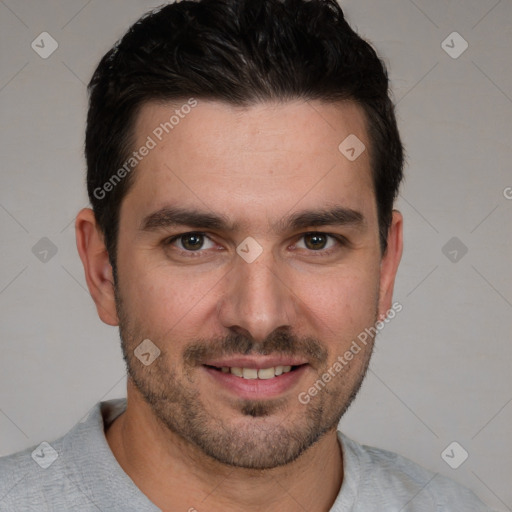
[{"x": 176, "y": 475}]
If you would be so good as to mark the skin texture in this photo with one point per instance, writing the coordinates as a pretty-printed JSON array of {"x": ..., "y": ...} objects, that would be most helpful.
[{"x": 187, "y": 440}]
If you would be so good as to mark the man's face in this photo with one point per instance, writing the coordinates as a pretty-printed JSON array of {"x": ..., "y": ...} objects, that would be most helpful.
[{"x": 260, "y": 180}]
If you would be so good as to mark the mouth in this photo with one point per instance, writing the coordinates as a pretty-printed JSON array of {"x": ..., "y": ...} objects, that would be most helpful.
[
  {"x": 256, "y": 373},
  {"x": 256, "y": 379}
]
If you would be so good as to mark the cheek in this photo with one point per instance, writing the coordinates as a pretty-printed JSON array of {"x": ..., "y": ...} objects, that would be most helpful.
[
  {"x": 342, "y": 302},
  {"x": 165, "y": 299}
]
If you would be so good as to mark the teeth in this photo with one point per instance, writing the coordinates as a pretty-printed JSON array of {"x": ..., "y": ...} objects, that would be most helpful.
[
  {"x": 253, "y": 373},
  {"x": 267, "y": 373},
  {"x": 250, "y": 373},
  {"x": 237, "y": 371}
]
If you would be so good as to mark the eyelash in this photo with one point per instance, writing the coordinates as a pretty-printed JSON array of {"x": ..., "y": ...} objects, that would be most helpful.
[{"x": 342, "y": 242}]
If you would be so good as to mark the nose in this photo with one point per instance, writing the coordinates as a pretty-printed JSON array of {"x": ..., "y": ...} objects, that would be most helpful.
[{"x": 257, "y": 299}]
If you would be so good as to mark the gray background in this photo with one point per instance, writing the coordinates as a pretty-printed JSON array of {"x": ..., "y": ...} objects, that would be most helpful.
[{"x": 441, "y": 371}]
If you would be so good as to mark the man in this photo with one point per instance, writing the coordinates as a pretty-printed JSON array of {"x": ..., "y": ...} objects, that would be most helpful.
[{"x": 243, "y": 159}]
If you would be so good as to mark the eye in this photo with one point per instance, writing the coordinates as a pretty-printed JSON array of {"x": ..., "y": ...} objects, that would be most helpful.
[
  {"x": 316, "y": 241},
  {"x": 191, "y": 242}
]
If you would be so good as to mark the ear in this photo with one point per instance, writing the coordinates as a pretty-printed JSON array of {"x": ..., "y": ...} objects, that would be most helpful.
[
  {"x": 389, "y": 263},
  {"x": 98, "y": 271}
]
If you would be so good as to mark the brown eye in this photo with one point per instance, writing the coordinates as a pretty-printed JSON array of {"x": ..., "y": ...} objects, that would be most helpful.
[
  {"x": 315, "y": 241},
  {"x": 322, "y": 244},
  {"x": 191, "y": 242}
]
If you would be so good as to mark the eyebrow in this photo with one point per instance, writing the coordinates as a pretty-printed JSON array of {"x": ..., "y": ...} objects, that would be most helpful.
[{"x": 173, "y": 216}]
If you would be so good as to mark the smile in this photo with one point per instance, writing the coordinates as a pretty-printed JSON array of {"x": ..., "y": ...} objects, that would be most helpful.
[
  {"x": 254, "y": 373},
  {"x": 255, "y": 381}
]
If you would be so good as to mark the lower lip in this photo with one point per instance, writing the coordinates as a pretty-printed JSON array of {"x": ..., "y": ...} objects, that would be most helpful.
[{"x": 254, "y": 389}]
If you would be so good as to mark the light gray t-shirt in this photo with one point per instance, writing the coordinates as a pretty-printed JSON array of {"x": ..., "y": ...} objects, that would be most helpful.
[{"x": 78, "y": 472}]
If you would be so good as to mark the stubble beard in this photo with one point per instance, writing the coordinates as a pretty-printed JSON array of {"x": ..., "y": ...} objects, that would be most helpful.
[{"x": 255, "y": 440}]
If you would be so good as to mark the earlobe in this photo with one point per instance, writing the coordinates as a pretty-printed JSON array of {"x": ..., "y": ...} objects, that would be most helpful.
[
  {"x": 97, "y": 268},
  {"x": 389, "y": 263}
]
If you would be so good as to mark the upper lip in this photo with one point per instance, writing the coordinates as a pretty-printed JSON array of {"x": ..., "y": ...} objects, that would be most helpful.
[{"x": 257, "y": 363}]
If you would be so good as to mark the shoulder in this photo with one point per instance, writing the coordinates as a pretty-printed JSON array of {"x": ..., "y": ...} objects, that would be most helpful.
[
  {"x": 59, "y": 475},
  {"x": 387, "y": 475},
  {"x": 31, "y": 478}
]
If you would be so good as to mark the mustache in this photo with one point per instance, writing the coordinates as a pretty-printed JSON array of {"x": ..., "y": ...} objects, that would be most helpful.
[{"x": 277, "y": 343}]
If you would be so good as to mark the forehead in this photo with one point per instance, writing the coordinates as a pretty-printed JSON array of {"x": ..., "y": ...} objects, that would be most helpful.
[{"x": 250, "y": 162}]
